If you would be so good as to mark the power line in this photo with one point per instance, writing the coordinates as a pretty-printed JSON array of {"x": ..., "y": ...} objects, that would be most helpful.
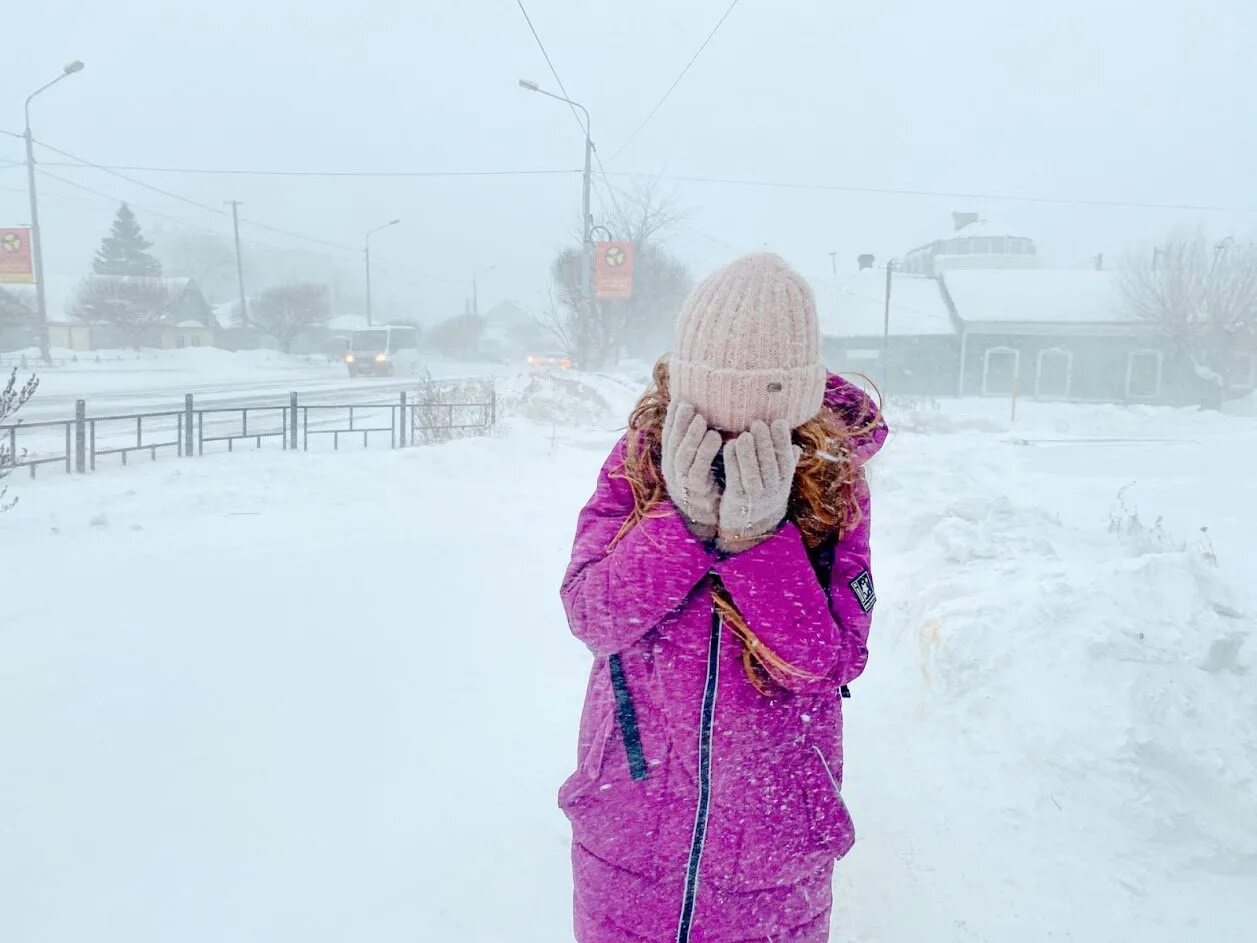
[
  {"x": 296, "y": 235},
  {"x": 659, "y": 104},
  {"x": 114, "y": 199},
  {"x": 550, "y": 63},
  {"x": 175, "y": 196},
  {"x": 572, "y": 107},
  {"x": 993, "y": 197},
  {"x": 139, "y": 183},
  {"x": 240, "y": 172}
]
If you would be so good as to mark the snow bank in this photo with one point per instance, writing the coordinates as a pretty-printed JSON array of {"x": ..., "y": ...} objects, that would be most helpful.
[{"x": 566, "y": 398}]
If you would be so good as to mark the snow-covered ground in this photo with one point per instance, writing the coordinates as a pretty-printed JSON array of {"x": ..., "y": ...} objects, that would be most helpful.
[{"x": 273, "y": 696}]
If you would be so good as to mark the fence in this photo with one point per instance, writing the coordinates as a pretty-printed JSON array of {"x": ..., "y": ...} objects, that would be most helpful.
[{"x": 434, "y": 413}]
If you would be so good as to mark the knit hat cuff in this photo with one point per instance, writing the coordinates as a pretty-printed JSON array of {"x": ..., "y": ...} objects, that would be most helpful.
[{"x": 731, "y": 399}]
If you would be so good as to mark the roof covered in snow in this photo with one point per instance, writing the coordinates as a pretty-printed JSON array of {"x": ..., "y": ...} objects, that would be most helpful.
[
  {"x": 1040, "y": 296},
  {"x": 856, "y": 307},
  {"x": 979, "y": 228}
]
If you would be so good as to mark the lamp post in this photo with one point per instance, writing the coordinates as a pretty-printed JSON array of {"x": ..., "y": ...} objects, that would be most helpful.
[
  {"x": 833, "y": 262},
  {"x": 366, "y": 254},
  {"x": 587, "y": 255},
  {"x": 37, "y": 251}
]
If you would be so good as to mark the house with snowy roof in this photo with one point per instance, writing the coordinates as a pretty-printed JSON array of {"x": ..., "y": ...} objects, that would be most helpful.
[
  {"x": 917, "y": 337},
  {"x": 974, "y": 314},
  {"x": 1058, "y": 334},
  {"x": 973, "y": 243},
  {"x": 186, "y": 320}
]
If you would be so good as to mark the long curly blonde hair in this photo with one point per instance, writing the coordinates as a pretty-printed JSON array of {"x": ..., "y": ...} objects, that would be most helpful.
[{"x": 824, "y": 500}]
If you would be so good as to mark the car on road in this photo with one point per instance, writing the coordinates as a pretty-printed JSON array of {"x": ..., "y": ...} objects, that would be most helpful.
[
  {"x": 386, "y": 351},
  {"x": 550, "y": 361}
]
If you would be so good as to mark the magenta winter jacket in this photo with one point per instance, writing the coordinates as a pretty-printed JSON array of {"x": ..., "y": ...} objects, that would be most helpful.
[{"x": 685, "y": 770}]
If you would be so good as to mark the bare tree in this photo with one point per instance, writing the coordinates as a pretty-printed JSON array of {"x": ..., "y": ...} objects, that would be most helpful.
[
  {"x": 286, "y": 311},
  {"x": 208, "y": 259},
  {"x": 12, "y": 398},
  {"x": 1202, "y": 297},
  {"x": 458, "y": 336},
  {"x": 15, "y": 309},
  {"x": 644, "y": 217},
  {"x": 131, "y": 304}
]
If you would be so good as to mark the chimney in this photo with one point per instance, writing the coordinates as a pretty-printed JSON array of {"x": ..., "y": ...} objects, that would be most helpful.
[
  {"x": 865, "y": 261},
  {"x": 961, "y": 220}
]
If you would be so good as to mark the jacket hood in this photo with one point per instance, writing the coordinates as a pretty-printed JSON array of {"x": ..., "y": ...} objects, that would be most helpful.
[{"x": 857, "y": 409}]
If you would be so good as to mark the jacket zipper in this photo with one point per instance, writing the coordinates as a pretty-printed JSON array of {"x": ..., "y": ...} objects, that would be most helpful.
[{"x": 705, "y": 727}]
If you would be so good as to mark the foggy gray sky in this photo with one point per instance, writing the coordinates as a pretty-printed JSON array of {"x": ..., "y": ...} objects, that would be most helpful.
[{"x": 1118, "y": 100}]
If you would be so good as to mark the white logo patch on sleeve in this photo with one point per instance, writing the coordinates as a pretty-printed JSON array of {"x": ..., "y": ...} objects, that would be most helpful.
[{"x": 862, "y": 586}]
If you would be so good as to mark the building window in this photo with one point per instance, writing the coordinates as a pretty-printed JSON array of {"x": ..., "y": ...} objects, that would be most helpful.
[
  {"x": 1054, "y": 373},
  {"x": 196, "y": 340},
  {"x": 1000, "y": 368},
  {"x": 181, "y": 341},
  {"x": 1143, "y": 374}
]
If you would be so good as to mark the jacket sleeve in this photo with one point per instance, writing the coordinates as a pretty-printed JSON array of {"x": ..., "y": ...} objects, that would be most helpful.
[
  {"x": 614, "y": 595},
  {"x": 822, "y": 633}
]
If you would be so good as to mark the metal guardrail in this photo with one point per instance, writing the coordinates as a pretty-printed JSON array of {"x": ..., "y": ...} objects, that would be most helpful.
[{"x": 188, "y": 431}]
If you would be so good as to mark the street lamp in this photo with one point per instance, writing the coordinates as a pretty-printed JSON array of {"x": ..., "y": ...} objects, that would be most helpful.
[
  {"x": 366, "y": 253},
  {"x": 587, "y": 255},
  {"x": 37, "y": 251}
]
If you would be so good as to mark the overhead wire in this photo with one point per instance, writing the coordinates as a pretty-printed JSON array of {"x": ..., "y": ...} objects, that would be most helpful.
[
  {"x": 992, "y": 197},
  {"x": 216, "y": 210},
  {"x": 671, "y": 88},
  {"x": 112, "y": 198},
  {"x": 243, "y": 172},
  {"x": 567, "y": 95},
  {"x": 550, "y": 63}
]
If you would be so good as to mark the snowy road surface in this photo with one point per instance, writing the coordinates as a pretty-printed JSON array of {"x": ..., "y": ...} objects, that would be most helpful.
[{"x": 280, "y": 697}]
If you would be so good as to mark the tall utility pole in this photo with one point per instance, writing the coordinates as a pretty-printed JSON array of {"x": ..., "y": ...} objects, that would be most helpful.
[
  {"x": 235, "y": 223},
  {"x": 587, "y": 246},
  {"x": 37, "y": 249},
  {"x": 366, "y": 254},
  {"x": 890, "y": 269},
  {"x": 475, "y": 291}
]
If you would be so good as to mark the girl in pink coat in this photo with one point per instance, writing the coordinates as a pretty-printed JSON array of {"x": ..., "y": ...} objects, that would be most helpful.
[{"x": 720, "y": 576}]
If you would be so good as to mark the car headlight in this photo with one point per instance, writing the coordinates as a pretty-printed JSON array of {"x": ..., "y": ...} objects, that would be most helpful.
[
  {"x": 381, "y": 358},
  {"x": 349, "y": 358}
]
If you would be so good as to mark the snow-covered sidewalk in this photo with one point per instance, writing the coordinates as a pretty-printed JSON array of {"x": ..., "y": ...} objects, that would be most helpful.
[{"x": 280, "y": 697}]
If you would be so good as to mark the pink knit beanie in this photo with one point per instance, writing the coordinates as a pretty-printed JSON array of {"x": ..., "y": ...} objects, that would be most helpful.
[{"x": 748, "y": 346}]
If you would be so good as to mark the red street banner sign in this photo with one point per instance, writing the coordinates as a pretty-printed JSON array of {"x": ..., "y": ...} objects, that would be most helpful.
[
  {"x": 15, "y": 257},
  {"x": 614, "y": 271}
]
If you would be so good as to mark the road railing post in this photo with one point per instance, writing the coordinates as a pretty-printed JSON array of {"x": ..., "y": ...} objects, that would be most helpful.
[
  {"x": 401, "y": 420},
  {"x": 292, "y": 421},
  {"x": 80, "y": 436},
  {"x": 188, "y": 450}
]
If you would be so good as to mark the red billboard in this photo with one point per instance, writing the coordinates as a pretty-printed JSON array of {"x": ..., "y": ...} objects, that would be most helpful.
[
  {"x": 613, "y": 271},
  {"x": 15, "y": 257}
]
